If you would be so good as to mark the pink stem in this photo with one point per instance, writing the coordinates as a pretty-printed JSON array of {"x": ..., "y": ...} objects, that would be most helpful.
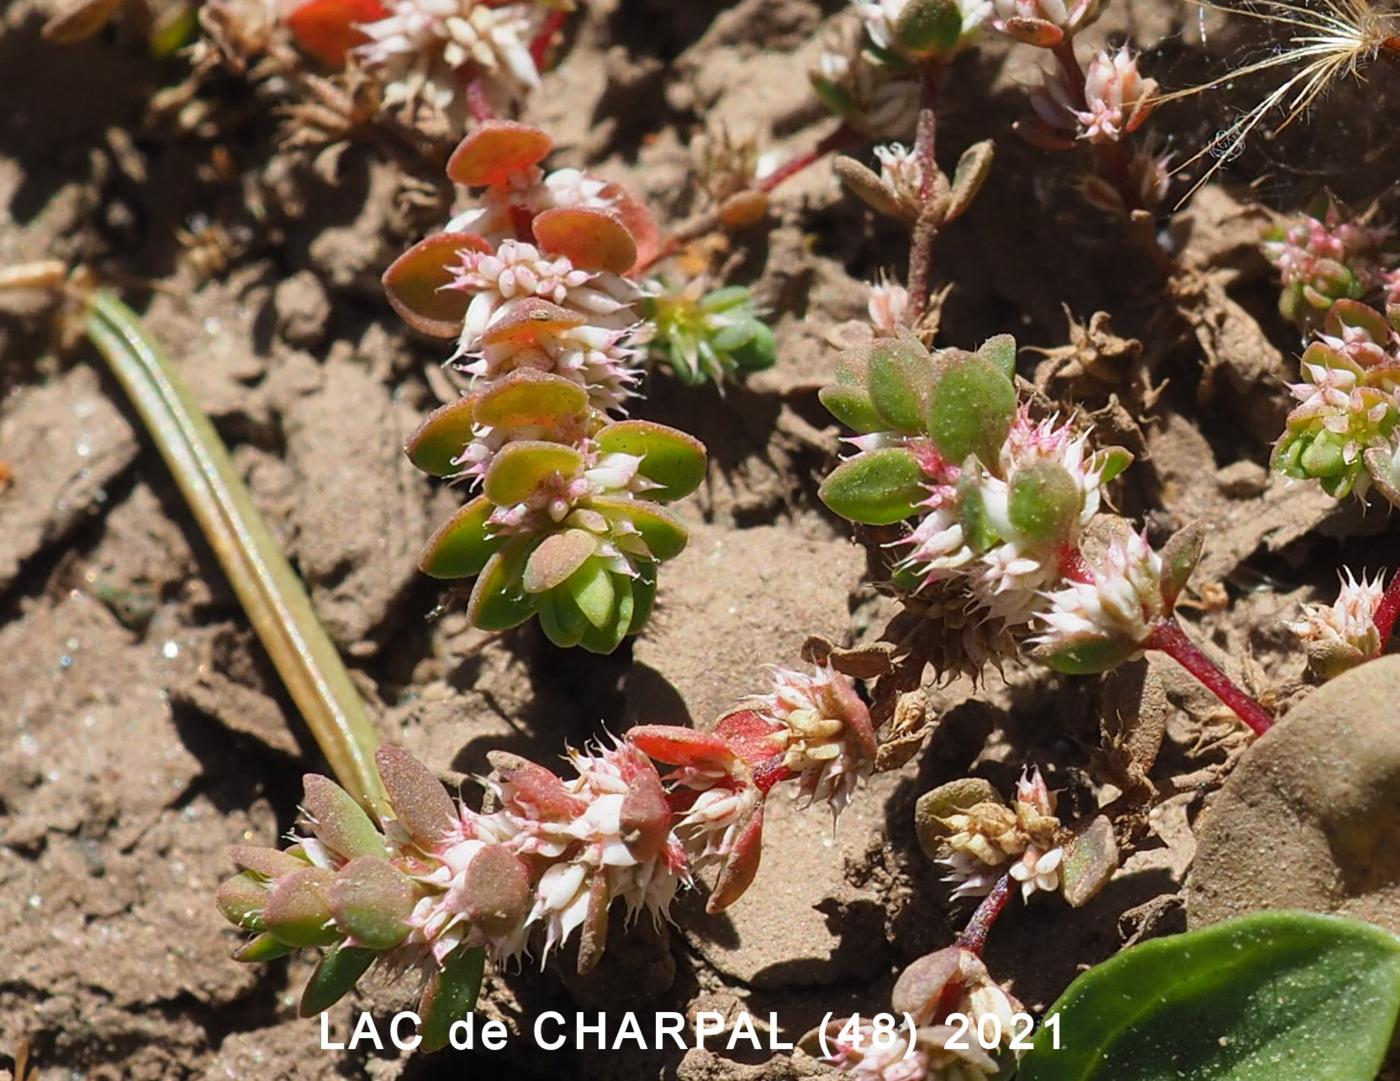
[
  {"x": 1388, "y": 609},
  {"x": 1168, "y": 637},
  {"x": 478, "y": 103},
  {"x": 974, "y": 935},
  {"x": 539, "y": 48},
  {"x": 926, "y": 225},
  {"x": 836, "y": 140}
]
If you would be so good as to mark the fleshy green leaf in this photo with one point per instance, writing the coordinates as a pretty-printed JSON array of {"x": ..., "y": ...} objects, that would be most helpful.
[
  {"x": 1272, "y": 996},
  {"x": 968, "y": 178},
  {"x": 971, "y": 406},
  {"x": 372, "y": 901},
  {"x": 1001, "y": 351},
  {"x": 521, "y": 467},
  {"x": 337, "y": 820},
  {"x": 414, "y": 283},
  {"x": 530, "y": 398},
  {"x": 643, "y": 596},
  {"x": 1043, "y": 502},
  {"x": 929, "y": 27},
  {"x": 499, "y": 601},
  {"x": 1086, "y": 655},
  {"x": 336, "y": 973},
  {"x": 266, "y": 947},
  {"x": 607, "y": 638},
  {"x": 560, "y": 618},
  {"x": 421, "y": 805},
  {"x": 441, "y": 438},
  {"x": 878, "y": 488},
  {"x": 241, "y": 900},
  {"x": 557, "y": 558},
  {"x": 461, "y": 546},
  {"x": 900, "y": 378},
  {"x": 298, "y": 908},
  {"x": 591, "y": 588},
  {"x": 450, "y": 995},
  {"x": 1180, "y": 555},
  {"x": 852, "y": 407},
  {"x": 664, "y": 535},
  {"x": 670, "y": 458}
]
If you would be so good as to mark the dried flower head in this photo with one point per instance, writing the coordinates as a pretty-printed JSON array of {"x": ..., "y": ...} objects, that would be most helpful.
[{"x": 1344, "y": 634}]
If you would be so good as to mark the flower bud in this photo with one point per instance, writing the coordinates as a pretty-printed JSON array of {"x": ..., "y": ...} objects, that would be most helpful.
[{"x": 1344, "y": 634}]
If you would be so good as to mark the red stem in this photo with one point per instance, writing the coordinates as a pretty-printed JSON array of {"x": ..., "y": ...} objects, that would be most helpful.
[
  {"x": 553, "y": 23},
  {"x": 926, "y": 226},
  {"x": 1168, "y": 637},
  {"x": 767, "y": 774},
  {"x": 1074, "y": 72},
  {"x": 839, "y": 139},
  {"x": 1388, "y": 609},
  {"x": 974, "y": 935},
  {"x": 1073, "y": 566}
]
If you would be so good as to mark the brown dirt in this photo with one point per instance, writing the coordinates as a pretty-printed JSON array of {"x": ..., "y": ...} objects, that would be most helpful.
[{"x": 142, "y": 730}]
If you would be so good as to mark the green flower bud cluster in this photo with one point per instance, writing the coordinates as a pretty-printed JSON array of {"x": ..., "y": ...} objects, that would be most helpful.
[
  {"x": 1324, "y": 256},
  {"x": 714, "y": 335}
]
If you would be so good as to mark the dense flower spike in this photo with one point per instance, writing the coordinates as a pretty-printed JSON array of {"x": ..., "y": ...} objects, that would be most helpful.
[
  {"x": 1341, "y": 433},
  {"x": 531, "y": 283},
  {"x": 967, "y": 827},
  {"x": 438, "y": 886},
  {"x": 1344, "y": 634},
  {"x": 702, "y": 335},
  {"x": 1325, "y": 256},
  {"x": 949, "y": 981}
]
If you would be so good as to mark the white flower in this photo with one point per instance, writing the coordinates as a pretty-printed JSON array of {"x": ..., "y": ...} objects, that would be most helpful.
[
  {"x": 421, "y": 48},
  {"x": 1116, "y": 99},
  {"x": 1122, "y": 604},
  {"x": 825, "y": 733},
  {"x": 900, "y": 171},
  {"x": 888, "y": 307},
  {"x": 1343, "y": 634}
]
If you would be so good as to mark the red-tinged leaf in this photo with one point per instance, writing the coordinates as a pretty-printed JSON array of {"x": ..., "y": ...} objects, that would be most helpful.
[
  {"x": 557, "y": 558},
  {"x": 495, "y": 150},
  {"x": 591, "y": 239},
  {"x": 534, "y": 789},
  {"x": 749, "y": 734},
  {"x": 521, "y": 467},
  {"x": 419, "y": 802},
  {"x": 739, "y": 868},
  {"x": 530, "y": 320},
  {"x": 462, "y": 545},
  {"x": 593, "y": 935},
  {"x": 637, "y": 217},
  {"x": 414, "y": 283},
  {"x": 440, "y": 439},
  {"x": 529, "y": 398},
  {"x": 678, "y": 746},
  {"x": 372, "y": 901},
  {"x": 645, "y": 818},
  {"x": 337, "y": 820},
  {"x": 298, "y": 908},
  {"x": 241, "y": 900},
  {"x": 854, "y": 713},
  {"x": 496, "y": 894},
  {"x": 265, "y": 862},
  {"x": 919, "y": 990},
  {"x": 329, "y": 29}
]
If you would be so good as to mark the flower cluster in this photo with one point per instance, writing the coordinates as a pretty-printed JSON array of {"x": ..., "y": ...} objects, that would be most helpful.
[
  {"x": 707, "y": 335},
  {"x": 868, "y": 75},
  {"x": 436, "y": 887},
  {"x": 1109, "y": 615},
  {"x": 531, "y": 282},
  {"x": 1044, "y": 23},
  {"x": 434, "y": 53},
  {"x": 433, "y": 886},
  {"x": 1343, "y": 430},
  {"x": 1325, "y": 256},
  {"x": 949, "y": 981},
  {"x": 995, "y": 499},
  {"x": 967, "y": 828},
  {"x": 1344, "y": 634}
]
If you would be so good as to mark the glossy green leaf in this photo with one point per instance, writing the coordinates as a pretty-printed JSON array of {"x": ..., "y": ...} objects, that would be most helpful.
[
  {"x": 336, "y": 973},
  {"x": 440, "y": 439},
  {"x": 1180, "y": 555},
  {"x": 899, "y": 380},
  {"x": 450, "y": 995},
  {"x": 529, "y": 398},
  {"x": 591, "y": 587},
  {"x": 560, "y": 618},
  {"x": 460, "y": 547},
  {"x": 878, "y": 488},
  {"x": 1043, "y": 502},
  {"x": 608, "y": 637},
  {"x": 670, "y": 458},
  {"x": 643, "y": 596},
  {"x": 521, "y": 467},
  {"x": 1272, "y": 996},
  {"x": 556, "y": 559},
  {"x": 499, "y": 601},
  {"x": 266, "y": 947},
  {"x": 663, "y": 533}
]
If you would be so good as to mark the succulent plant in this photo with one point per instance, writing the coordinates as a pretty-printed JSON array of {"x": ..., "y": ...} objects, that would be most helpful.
[
  {"x": 569, "y": 523},
  {"x": 1339, "y": 636},
  {"x": 703, "y": 335},
  {"x": 995, "y": 498},
  {"x": 1342, "y": 431},
  {"x": 1325, "y": 255}
]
